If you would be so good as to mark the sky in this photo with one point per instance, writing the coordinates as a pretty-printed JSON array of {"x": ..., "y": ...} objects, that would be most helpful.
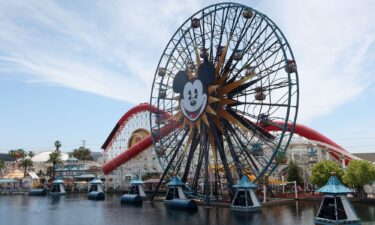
[{"x": 70, "y": 69}]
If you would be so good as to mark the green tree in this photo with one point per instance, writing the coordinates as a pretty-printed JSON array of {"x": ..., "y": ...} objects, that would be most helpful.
[
  {"x": 82, "y": 153},
  {"x": 17, "y": 154},
  {"x": 2, "y": 165},
  {"x": 293, "y": 173},
  {"x": 26, "y": 163},
  {"x": 54, "y": 159},
  {"x": 321, "y": 172},
  {"x": 359, "y": 173}
]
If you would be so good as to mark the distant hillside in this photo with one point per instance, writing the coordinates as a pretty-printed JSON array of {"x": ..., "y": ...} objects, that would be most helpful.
[
  {"x": 366, "y": 156},
  {"x": 96, "y": 155}
]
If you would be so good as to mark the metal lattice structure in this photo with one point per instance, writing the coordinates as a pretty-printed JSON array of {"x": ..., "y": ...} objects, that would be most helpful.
[
  {"x": 226, "y": 74},
  {"x": 130, "y": 131}
]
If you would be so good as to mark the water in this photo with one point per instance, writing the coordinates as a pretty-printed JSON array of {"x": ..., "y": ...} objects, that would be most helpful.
[{"x": 77, "y": 210}]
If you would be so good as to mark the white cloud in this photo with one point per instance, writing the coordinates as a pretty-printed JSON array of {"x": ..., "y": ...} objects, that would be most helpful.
[
  {"x": 331, "y": 41},
  {"x": 111, "y": 48}
]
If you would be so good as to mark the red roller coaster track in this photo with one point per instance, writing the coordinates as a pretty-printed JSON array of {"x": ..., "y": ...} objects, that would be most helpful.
[{"x": 304, "y": 131}]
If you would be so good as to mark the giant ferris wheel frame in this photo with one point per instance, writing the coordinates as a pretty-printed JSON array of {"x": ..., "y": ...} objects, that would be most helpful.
[{"x": 237, "y": 66}]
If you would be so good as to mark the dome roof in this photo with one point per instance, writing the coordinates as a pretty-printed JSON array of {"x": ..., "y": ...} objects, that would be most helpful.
[
  {"x": 14, "y": 174},
  {"x": 44, "y": 156}
]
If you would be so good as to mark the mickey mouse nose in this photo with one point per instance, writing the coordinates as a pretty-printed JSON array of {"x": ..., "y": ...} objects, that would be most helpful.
[{"x": 193, "y": 102}]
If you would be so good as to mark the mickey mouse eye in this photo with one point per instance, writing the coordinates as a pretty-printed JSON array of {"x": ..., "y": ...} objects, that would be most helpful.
[
  {"x": 189, "y": 93},
  {"x": 195, "y": 93}
]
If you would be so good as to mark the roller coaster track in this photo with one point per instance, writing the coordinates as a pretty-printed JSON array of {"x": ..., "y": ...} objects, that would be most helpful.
[{"x": 334, "y": 149}]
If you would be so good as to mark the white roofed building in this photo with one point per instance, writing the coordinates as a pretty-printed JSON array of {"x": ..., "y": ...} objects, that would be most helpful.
[{"x": 40, "y": 159}]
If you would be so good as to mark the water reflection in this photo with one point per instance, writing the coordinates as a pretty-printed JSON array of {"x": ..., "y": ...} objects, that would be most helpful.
[{"x": 76, "y": 209}]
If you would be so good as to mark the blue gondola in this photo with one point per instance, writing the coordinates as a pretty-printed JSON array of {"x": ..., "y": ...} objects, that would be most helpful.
[
  {"x": 96, "y": 191},
  {"x": 57, "y": 187},
  {"x": 176, "y": 198},
  {"x": 245, "y": 199},
  {"x": 136, "y": 193},
  {"x": 335, "y": 207}
]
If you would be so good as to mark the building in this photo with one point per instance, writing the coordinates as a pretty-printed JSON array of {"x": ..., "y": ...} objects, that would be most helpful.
[
  {"x": 40, "y": 159},
  {"x": 9, "y": 162}
]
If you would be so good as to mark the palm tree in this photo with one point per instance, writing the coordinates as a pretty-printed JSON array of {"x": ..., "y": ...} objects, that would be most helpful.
[
  {"x": 55, "y": 159},
  {"x": 31, "y": 154},
  {"x": 17, "y": 154},
  {"x": 2, "y": 165},
  {"x": 57, "y": 145},
  {"x": 26, "y": 163}
]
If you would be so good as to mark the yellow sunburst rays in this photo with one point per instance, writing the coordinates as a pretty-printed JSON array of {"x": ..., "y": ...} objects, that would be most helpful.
[
  {"x": 222, "y": 57},
  {"x": 190, "y": 139},
  {"x": 190, "y": 73},
  {"x": 223, "y": 101},
  {"x": 216, "y": 95},
  {"x": 198, "y": 58}
]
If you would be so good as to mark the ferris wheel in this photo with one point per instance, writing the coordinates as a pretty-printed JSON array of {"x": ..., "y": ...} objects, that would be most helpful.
[{"x": 225, "y": 75}]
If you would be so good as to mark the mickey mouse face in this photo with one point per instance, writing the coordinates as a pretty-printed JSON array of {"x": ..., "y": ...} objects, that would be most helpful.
[
  {"x": 194, "y": 100},
  {"x": 193, "y": 93}
]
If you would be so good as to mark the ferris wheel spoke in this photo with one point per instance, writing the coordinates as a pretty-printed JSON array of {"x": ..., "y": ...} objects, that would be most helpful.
[
  {"x": 198, "y": 168},
  {"x": 223, "y": 157},
  {"x": 226, "y": 67},
  {"x": 169, "y": 163},
  {"x": 260, "y": 103},
  {"x": 222, "y": 28},
  {"x": 243, "y": 90},
  {"x": 248, "y": 47},
  {"x": 267, "y": 142},
  {"x": 262, "y": 61},
  {"x": 254, "y": 165},
  {"x": 251, "y": 126},
  {"x": 193, "y": 147},
  {"x": 245, "y": 50},
  {"x": 185, "y": 53},
  {"x": 282, "y": 100},
  {"x": 213, "y": 18},
  {"x": 236, "y": 161},
  {"x": 235, "y": 134},
  {"x": 242, "y": 146},
  {"x": 179, "y": 163},
  {"x": 206, "y": 161}
]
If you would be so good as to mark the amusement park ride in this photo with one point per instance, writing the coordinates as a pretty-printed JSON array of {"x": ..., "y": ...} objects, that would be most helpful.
[{"x": 223, "y": 104}]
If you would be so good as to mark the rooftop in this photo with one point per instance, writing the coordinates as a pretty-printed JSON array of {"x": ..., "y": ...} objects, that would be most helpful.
[
  {"x": 137, "y": 180},
  {"x": 245, "y": 183},
  {"x": 44, "y": 156},
  {"x": 176, "y": 181},
  {"x": 6, "y": 157},
  {"x": 334, "y": 186}
]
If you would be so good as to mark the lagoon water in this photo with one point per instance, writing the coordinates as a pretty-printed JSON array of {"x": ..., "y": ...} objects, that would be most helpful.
[{"x": 75, "y": 209}]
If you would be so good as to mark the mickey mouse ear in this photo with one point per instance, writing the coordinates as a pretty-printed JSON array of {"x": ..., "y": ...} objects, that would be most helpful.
[
  {"x": 179, "y": 81},
  {"x": 206, "y": 73}
]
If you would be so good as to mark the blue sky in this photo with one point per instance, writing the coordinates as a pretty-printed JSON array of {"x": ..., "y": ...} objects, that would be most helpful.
[{"x": 70, "y": 69}]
